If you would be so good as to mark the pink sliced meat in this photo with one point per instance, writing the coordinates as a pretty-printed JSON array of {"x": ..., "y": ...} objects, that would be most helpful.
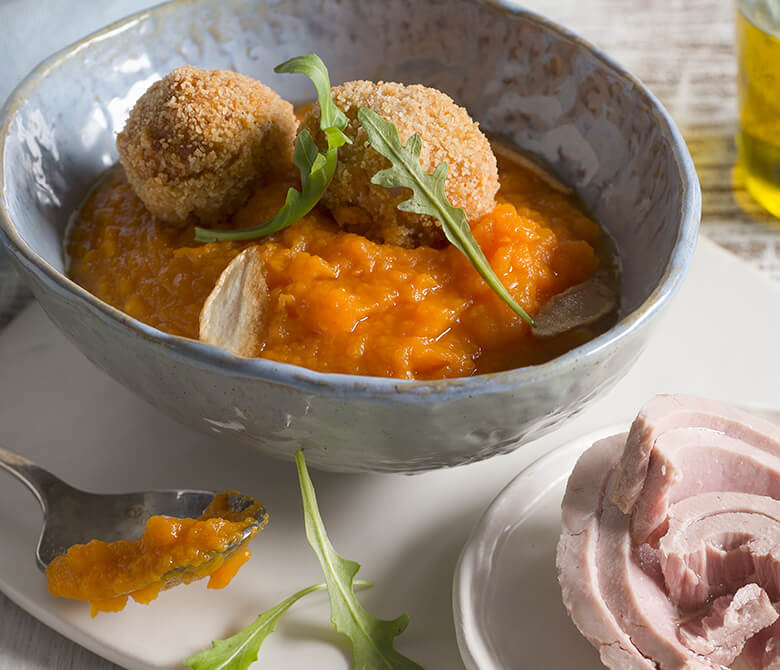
[
  {"x": 618, "y": 607},
  {"x": 576, "y": 557},
  {"x": 637, "y": 600},
  {"x": 731, "y": 621},
  {"x": 669, "y": 557},
  {"x": 719, "y": 542},
  {"x": 763, "y": 651},
  {"x": 667, "y": 412},
  {"x": 689, "y": 461}
]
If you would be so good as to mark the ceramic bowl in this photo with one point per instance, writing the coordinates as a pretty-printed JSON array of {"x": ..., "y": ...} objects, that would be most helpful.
[{"x": 540, "y": 86}]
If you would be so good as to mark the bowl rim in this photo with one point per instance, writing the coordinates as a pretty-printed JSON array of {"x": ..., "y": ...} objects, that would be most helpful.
[{"x": 223, "y": 362}]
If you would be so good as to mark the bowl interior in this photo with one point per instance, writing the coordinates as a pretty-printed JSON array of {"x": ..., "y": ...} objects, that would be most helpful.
[{"x": 518, "y": 76}]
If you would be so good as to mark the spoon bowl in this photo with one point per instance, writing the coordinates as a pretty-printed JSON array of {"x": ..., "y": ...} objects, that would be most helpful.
[{"x": 72, "y": 516}]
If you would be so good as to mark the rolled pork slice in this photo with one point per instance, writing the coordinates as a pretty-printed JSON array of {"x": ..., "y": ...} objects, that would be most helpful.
[
  {"x": 731, "y": 621},
  {"x": 719, "y": 542},
  {"x": 762, "y": 652},
  {"x": 637, "y": 599},
  {"x": 667, "y": 412},
  {"x": 576, "y": 557},
  {"x": 690, "y": 461},
  {"x": 621, "y": 609}
]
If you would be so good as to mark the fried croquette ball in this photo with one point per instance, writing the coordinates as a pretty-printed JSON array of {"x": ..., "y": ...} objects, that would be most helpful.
[
  {"x": 448, "y": 134},
  {"x": 197, "y": 142}
]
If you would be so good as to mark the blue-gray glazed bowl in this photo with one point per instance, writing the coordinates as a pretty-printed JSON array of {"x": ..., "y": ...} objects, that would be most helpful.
[{"x": 520, "y": 75}]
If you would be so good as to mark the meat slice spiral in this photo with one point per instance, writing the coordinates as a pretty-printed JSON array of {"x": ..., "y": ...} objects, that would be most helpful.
[{"x": 689, "y": 577}]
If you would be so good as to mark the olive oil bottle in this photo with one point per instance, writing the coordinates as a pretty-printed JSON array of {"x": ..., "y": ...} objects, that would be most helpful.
[{"x": 758, "y": 45}]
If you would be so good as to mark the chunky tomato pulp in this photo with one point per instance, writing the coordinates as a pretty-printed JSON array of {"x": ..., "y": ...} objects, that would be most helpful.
[
  {"x": 341, "y": 303},
  {"x": 106, "y": 573}
]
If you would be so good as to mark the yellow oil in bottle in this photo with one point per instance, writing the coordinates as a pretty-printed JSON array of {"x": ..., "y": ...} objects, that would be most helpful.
[{"x": 758, "y": 44}]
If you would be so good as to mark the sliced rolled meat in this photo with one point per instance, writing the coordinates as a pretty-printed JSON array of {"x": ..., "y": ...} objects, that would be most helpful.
[
  {"x": 719, "y": 542},
  {"x": 637, "y": 600},
  {"x": 706, "y": 494},
  {"x": 689, "y": 461},
  {"x": 731, "y": 621},
  {"x": 576, "y": 558},
  {"x": 667, "y": 412},
  {"x": 763, "y": 651},
  {"x": 617, "y": 606}
]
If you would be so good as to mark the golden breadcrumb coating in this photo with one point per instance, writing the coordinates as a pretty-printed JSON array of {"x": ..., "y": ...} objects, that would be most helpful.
[
  {"x": 197, "y": 142},
  {"x": 448, "y": 134}
]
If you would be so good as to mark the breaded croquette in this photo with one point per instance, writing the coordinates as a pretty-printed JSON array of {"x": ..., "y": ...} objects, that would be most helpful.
[
  {"x": 198, "y": 141},
  {"x": 448, "y": 134}
]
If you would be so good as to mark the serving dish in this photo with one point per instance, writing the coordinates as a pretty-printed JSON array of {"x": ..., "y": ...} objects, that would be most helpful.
[
  {"x": 521, "y": 527},
  {"x": 543, "y": 88}
]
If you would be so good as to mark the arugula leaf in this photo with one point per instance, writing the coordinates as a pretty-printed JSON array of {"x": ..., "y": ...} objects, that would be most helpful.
[
  {"x": 316, "y": 169},
  {"x": 239, "y": 651},
  {"x": 316, "y": 172},
  {"x": 332, "y": 119},
  {"x": 428, "y": 196},
  {"x": 372, "y": 639}
]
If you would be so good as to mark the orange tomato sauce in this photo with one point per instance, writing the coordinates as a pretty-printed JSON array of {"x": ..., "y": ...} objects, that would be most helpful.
[
  {"x": 106, "y": 574},
  {"x": 341, "y": 303}
]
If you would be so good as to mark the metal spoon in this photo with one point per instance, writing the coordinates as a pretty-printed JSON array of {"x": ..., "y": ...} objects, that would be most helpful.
[
  {"x": 72, "y": 516},
  {"x": 580, "y": 305}
]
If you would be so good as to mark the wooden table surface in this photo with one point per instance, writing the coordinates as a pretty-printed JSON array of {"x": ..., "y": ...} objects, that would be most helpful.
[{"x": 682, "y": 49}]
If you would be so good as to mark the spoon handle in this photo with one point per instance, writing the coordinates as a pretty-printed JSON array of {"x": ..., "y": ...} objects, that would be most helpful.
[{"x": 41, "y": 482}]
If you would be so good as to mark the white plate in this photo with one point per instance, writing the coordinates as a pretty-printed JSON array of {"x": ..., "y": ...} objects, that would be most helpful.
[
  {"x": 506, "y": 574},
  {"x": 507, "y": 571}
]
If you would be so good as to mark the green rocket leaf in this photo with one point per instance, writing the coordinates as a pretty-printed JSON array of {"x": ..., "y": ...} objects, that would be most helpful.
[
  {"x": 316, "y": 169},
  {"x": 332, "y": 119},
  {"x": 372, "y": 639},
  {"x": 428, "y": 196},
  {"x": 239, "y": 651}
]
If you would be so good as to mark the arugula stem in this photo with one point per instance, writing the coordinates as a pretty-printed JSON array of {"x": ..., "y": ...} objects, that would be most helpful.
[
  {"x": 406, "y": 171},
  {"x": 372, "y": 639},
  {"x": 316, "y": 169},
  {"x": 212, "y": 235},
  {"x": 318, "y": 527}
]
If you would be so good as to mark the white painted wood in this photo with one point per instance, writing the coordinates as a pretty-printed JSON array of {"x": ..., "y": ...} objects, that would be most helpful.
[
  {"x": 26, "y": 644},
  {"x": 684, "y": 51}
]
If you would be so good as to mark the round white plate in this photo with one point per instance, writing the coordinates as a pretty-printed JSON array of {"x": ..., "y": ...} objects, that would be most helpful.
[{"x": 506, "y": 599}]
